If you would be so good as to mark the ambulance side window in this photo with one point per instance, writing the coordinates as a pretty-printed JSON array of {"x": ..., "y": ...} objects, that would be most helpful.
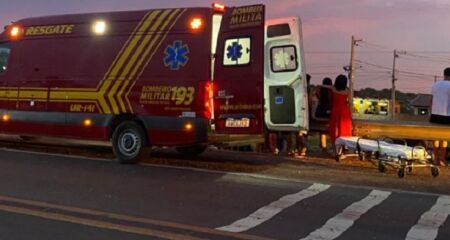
[
  {"x": 283, "y": 58},
  {"x": 278, "y": 30},
  {"x": 4, "y": 56},
  {"x": 237, "y": 51}
]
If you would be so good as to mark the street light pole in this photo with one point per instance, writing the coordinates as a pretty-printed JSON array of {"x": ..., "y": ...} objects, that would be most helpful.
[
  {"x": 351, "y": 71},
  {"x": 393, "y": 86},
  {"x": 394, "y": 78}
]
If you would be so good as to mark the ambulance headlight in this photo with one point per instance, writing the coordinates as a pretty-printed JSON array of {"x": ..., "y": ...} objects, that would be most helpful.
[{"x": 99, "y": 27}]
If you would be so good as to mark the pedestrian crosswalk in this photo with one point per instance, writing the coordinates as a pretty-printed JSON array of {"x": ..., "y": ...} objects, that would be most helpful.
[
  {"x": 431, "y": 224},
  {"x": 265, "y": 213},
  {"x": 337, "y": 225},
  {"x": 428, "y": 225}
]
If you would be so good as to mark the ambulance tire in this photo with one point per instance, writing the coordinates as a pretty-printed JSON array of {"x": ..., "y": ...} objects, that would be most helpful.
[
  {"x": 191, "y": 151},
  {"x": 129, "y": 143}
]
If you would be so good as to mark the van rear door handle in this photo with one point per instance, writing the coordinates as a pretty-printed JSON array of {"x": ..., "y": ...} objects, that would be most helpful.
[
  {"x": 221, "y": 94},
  {"x": 225, "y": 97}
]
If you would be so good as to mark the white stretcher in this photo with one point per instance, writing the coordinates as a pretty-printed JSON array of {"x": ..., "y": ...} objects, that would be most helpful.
[{"x": 399, "y": 156}]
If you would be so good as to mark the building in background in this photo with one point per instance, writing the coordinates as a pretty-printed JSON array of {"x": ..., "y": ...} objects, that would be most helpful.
[
  {"x": 421, "y": 104},
  {"x": 371, "y": 106}
]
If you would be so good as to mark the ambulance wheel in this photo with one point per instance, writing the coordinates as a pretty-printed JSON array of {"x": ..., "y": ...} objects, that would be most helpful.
[
  {"x": 434, "y": 171},
  {"x": 401, "y": 172},
  {"x": 191, "y": 151},
  {"x": 129, "y": 142}
]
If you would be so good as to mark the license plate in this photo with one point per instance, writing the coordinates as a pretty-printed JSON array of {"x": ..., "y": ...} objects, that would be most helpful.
[{"x": 241, "y": 123}]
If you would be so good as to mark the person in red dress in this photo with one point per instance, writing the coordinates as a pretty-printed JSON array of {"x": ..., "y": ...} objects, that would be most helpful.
[{"x": 341, "y": 116}]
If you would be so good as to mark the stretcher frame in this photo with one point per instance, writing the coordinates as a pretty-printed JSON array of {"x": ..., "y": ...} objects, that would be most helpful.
[{"x": 401, "y": 163}]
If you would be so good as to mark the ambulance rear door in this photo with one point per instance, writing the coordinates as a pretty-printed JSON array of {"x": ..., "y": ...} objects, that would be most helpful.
[
  {"x": 239, "y": 71},
  {"x": 285, "y": 87}
]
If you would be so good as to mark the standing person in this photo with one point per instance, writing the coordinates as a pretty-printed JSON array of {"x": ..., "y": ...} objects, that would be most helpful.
[
  {"x": 272, "y": 142},
  {"x": 301, "y": 138},
  {"x": 440, "y": 113},
  {"x": 341, "y": 116},
  {"x": 321, "y": 109},
  {"x": 440, "y": 108}
]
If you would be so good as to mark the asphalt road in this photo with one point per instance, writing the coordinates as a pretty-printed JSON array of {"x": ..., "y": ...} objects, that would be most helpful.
[{"x": 46, "y": 196}]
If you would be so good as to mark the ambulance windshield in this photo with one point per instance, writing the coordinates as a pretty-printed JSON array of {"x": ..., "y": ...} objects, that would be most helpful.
[{"x": 4, "y": 55}]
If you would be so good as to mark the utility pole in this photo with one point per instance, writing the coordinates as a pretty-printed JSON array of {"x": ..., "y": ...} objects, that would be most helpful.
[
  {"x": 351, "y": 70},
  {"x": 394, "y": 78},
  {"x": 393, "y": 86}
]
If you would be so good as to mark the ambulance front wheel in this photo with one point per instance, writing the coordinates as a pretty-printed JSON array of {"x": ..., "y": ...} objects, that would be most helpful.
[{"x": 129, "y": 143}]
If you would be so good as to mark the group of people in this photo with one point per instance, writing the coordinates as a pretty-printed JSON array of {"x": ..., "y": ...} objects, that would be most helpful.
[{"x": 328, "y": 103}]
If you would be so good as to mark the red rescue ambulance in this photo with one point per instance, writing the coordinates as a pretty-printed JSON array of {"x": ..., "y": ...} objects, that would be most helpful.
[{"x": 159, "y": 77}]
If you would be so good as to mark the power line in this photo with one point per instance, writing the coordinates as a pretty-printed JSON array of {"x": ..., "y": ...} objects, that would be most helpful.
[
  {"x": 325, "y": 67},
  {"x": 377, "y": 46},
  {"x": 426, "y": 58},
  {"x": 399, "y": 71},
  {"x": 325, "y": 73},
  {"x": 345, "y": 52},
  {"x": 372, "y": 65}
]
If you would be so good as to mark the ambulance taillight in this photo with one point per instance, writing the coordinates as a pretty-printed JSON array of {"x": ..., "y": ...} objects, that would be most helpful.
[
  {"x": 206, "y": 99},
  {"x": 218, "y": 7}
]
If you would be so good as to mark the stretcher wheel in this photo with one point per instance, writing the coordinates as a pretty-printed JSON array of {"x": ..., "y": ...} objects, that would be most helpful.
[
  {"x": 434, "y": 171},
  {"x": 401, "y": 172},
  {"x": 381, "y": 167}
]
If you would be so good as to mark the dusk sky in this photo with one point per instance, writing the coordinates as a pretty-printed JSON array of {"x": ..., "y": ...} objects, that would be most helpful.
[{"x": 420, "y": 27}]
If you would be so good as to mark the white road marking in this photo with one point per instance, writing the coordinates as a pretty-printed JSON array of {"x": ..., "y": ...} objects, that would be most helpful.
[
  {"x": 337, "y": 225},
  {"x": 428, "y": 225},
  {"x": 267, "y": 212}
]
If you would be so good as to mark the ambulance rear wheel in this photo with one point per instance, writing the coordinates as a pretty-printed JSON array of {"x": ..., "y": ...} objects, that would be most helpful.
[
  {"x": 129, "y": 142},
  {"x": 191, "y": 151}
]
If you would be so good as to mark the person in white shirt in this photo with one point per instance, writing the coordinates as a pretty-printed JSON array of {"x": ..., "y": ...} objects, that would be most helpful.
[
  {"x": 440, "y": 113},
  {"x": 440, "y": 109}
]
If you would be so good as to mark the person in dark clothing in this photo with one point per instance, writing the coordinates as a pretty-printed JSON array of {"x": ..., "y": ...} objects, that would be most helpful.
[{"x": 323, "y": 107}]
